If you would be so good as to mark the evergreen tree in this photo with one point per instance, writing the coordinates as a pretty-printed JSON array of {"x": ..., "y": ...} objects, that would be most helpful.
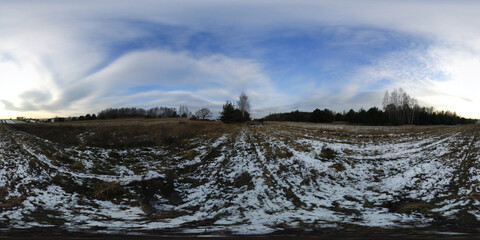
[{"x": 230, "y": 114}]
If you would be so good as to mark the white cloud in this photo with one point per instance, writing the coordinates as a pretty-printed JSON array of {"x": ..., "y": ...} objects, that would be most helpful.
[
  {"x": 134, "y": 80},
  {"x": 445, "y": 78}
]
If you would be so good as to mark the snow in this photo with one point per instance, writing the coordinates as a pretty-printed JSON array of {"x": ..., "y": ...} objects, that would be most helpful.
[{"x": 382, "y": 165}]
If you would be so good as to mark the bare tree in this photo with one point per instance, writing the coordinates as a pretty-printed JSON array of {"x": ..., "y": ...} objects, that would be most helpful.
[
  {"x": 386, "y": 100},
  {"x": 400, "y": 106},
  {"x": 184, "y": 112},
  {"x": 243, "y": 104},
  {"x": 415, "y": 108},
  {"x": 203, "y": 113}
]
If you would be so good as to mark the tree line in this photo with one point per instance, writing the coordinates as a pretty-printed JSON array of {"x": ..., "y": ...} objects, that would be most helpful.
[
  {"x": 155, "y": 112},
  {"x": 398, "y": 109},
  {"x": 231, "y": 113},
  {"x": 372, "y": 116}
]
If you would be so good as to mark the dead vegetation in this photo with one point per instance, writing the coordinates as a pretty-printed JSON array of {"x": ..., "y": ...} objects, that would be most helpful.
[
  {"x": 338, "y": 167},
  {"x": 171, "y": 170},
  {"x": 122, "y": 135},
  {"x": 244, "y": 179},
  {"x": 327, "y": 153}
]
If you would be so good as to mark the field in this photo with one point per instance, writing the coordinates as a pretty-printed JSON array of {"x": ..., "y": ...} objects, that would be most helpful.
[{"x": 193, "y": 177}]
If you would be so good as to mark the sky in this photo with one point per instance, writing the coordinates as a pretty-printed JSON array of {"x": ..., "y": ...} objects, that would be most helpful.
[{"x": 69, "y": 58}]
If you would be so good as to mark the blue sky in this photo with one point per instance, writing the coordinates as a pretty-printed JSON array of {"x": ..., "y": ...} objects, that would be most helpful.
[{"x": 61, "y": 58}]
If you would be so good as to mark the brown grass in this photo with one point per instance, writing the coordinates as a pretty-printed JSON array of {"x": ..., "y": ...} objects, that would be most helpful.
[
  {"x": 12, "y": 203},
  {"x": 303, "y": 147},
  {"x": 122, "y": 134},
  {"x": 328, "y": 153},
  {"x": 283, "y": 153},
  {"x": 244, "y": 179},
  {"x": 62, "y": 134},
  {"x": 191, "y": 154},
  {"x": 421, "y": 207},
  {"x": 338, "y": 166},
  {"x": 77, "y": 165},
  {"x": 107, "y": 191},
  {"x": 348, "y": 151}
]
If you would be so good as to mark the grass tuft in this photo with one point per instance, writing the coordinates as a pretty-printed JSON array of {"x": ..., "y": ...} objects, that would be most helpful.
[
  {"x": 420, "y": 207},
  {"x": 328, "y": 153},
  {"x": 107, "y": 191},
  {"x": 338, "y": 166},
  {"x": 244, "y": 179},
  {"x": 77, "y": 165},
  {"x": 191, "y": 154}
]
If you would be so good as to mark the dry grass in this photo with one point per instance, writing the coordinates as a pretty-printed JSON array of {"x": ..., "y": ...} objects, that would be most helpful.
[
  {"x": 122, "y": 134},
  {"x": 348, "y": 151},
  {"x": 420, "y": 207},
  {"x": 62, "y": 134},
  {"x": 77, "y": 165},
  {"x": 283, "y": 153},
  {"x": 118, "y": 121},
  {"x": 107, "y": 191},
  {"x": 244, "y": 179},
  {"x": 328, "y": 153},
  {"x": 191, "y": 154},
  {"x": 12, "y": 202},
  {"x": 303, "y": 147},
  {"x": 338, "y": 166}
]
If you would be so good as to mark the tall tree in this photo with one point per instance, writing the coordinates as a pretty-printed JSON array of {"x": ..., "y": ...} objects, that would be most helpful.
[
  {"x": 243, "y": 104},
  {"x": 229, "y": 114},
  {"x": 203, "y": 113},
  {"x": 386, "y": 100},
  {"x": 184, "y": 112}
]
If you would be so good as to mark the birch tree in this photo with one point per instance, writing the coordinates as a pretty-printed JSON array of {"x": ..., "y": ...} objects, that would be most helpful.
[{"x": 243, "y": 104}]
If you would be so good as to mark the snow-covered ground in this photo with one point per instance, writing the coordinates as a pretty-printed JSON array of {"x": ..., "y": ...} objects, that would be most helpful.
[
  {"x": 252, "y": 180},
  {"x": 9, "y": 121}
]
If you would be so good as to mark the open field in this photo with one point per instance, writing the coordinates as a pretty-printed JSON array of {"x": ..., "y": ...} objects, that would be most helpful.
[{"x": 209, "y": 178}]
